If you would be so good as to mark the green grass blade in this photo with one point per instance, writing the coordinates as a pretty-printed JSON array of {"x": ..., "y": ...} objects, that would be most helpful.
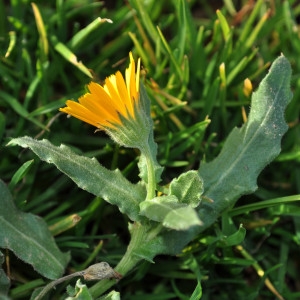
[
  {"x": 69, "y": 56},
  {"x": 20, "y": 173},
  {"x": 42, "y": 31},
  {"x": 80, "y": 36},
  {"x": 263, "y": 204}
]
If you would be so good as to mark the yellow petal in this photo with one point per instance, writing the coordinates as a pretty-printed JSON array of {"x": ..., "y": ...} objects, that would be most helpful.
[
  {"x": 103, "y": 105},
  {"x": 100, "y": 102},
  {"x": 137, "y": 76},
  {"x": 130, "y": 78},
  {"x": 80, "y": 112},
  {"x": 111, "y": 88},
  {"x": 121, "y": 85}
]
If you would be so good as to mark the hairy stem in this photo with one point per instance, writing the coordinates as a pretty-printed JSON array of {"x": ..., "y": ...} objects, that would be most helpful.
[
  {"x": 129, "y": 260},
  {"x": 151, "y": 185}
]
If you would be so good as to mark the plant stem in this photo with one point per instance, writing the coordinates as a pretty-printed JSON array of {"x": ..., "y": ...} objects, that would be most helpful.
[
  {"x": 139, "y": 233},
  {"x": 97, "y": 271},
  {"x": 52, "y": 284},
  {"x": 129, "y": 260},
  {"x": 151, "y": 185}
]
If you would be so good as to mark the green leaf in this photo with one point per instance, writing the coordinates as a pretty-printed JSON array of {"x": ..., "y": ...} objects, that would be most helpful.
[
  {"x": 49, "y": 107},
  {"x": 4, "y": 280},
  {"x": 188, "y": 188},
  {"x": 234, "y": 239},
  {"x": 197, "y": 294},
  {"x": 2, "y": 125},
  {"x": 174, "y": 62},
  {"x": 42, "y": 31},
  {"x": 21, "y": 172},
  {"x": 171, "y": 213},
  {"x": 80, "y": 37},
  {"x": 15, "y": 104},
  {"x": 182, "y": 218},
  {"x": 157, "y": 208},
  {"x": 168, "y": 242},
  {"x": 249, "y": 149},
  {"x": 158, "y": 169},
  {"x": 280, "y": 203},
  {"x": 141, "y": 8},
  {"x": 224, "y": 25},
  {"x": 81, "y": 292},
  {"x": 89, "y": 175},
  {"x": 113, "y": 295},
  {"x": 245, "y": 153},
  {"x": 28, "y": 237},
  {"x": 64, "y": 51}
]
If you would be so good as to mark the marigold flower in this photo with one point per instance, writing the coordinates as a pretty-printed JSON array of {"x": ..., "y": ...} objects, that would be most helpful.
[{"x": 114, "y": 107}]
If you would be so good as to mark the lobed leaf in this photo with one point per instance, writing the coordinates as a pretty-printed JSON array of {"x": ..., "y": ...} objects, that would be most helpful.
[
  {"x": 245, "y": 153},
  {"x": 89, "y": 175},
  {"x": 249, "y": 149}
]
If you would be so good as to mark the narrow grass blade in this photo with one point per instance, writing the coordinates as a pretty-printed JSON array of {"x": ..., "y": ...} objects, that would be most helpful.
[
  {"x": 69, "y": 56},
  {"x": 80, "y": 36},
  {"x": 42, "y": 31}
]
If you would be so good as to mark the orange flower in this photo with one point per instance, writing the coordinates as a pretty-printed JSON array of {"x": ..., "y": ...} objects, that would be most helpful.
[{"x": 105, "y": 107}]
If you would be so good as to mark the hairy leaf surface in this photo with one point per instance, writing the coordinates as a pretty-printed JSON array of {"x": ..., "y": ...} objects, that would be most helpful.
[
  {"x": 28, "y": 237},
  {"x": 170, "y": 212},
  {"x": 245, "y": 153},
  {"x": 89, "y": 175},
  {"x": 249, "y": 149}
]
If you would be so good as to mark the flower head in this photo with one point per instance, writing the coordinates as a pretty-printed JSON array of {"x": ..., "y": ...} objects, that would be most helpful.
[{"x": 114, "y": 107}]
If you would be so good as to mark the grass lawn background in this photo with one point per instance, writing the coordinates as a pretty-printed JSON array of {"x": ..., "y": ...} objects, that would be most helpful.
[{"x": 182, "y": 46}]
